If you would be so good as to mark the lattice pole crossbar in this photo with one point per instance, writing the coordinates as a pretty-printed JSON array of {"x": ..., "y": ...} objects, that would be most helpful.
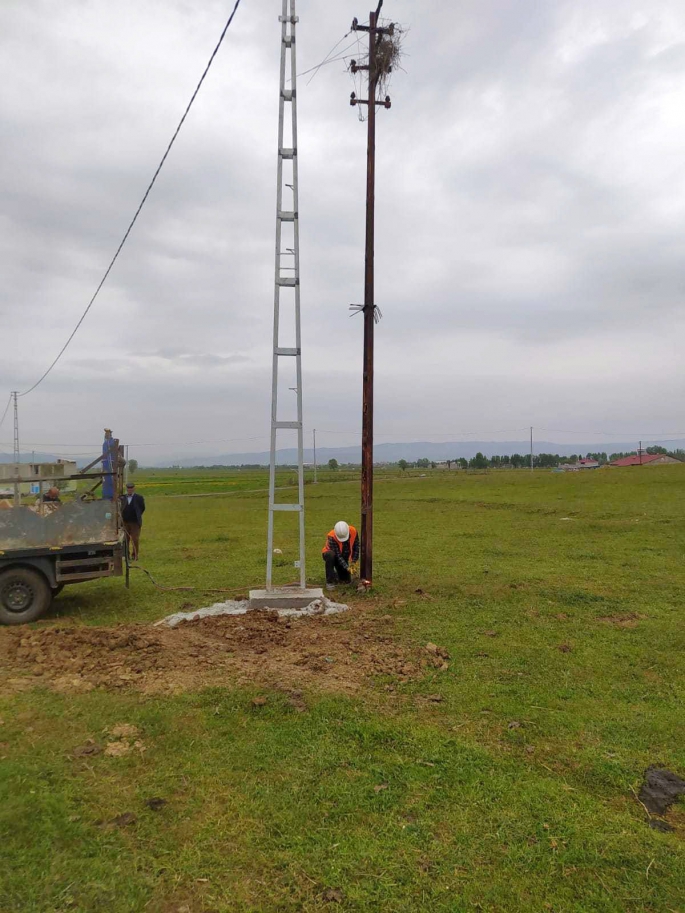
[{"x": 287, "y": 283}]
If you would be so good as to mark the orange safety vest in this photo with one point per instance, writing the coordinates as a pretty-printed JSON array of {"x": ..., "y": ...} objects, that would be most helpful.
[{"x": 351, "y": 540}]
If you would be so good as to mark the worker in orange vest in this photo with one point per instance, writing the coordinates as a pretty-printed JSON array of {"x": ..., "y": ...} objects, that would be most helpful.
[{"x": 340, "y": 554}]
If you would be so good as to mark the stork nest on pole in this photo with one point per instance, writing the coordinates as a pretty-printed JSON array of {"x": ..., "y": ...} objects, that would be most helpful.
[{"x": 388, "y": 55}]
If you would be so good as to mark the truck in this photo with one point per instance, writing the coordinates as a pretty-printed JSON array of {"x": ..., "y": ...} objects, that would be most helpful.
[{"x": 46, "y": 546}]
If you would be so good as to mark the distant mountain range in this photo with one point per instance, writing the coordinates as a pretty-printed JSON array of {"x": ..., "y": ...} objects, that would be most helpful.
[
  {"x": 391, "y": 453},
  {"x": 38, "y": 457},
  {"x": 383, "y": 453}
]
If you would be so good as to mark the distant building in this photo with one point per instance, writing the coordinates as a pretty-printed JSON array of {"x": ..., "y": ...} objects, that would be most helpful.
[
  {"x": 33, "y": 471},
  {"x": 581, "y": 464},
  {"x": 646, "y": 459}
]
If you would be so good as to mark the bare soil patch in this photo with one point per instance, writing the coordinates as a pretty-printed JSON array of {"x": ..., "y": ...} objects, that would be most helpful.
[
  {"x": 335, "y": 653},
  {"x": 626, "y": 620}
]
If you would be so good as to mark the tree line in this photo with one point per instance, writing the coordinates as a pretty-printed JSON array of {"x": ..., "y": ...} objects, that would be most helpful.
[{"x": 540, "y": 460}]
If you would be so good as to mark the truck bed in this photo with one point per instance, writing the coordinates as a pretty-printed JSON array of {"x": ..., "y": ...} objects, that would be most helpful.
[{"x": 74, "y": 523}]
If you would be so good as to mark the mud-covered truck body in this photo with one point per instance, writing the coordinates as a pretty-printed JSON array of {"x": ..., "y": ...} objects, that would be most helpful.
[{"x": 45, "y": 546}]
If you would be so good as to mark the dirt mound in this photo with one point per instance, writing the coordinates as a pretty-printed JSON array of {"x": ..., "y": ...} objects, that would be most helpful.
[{"x": 335, "y": 653}]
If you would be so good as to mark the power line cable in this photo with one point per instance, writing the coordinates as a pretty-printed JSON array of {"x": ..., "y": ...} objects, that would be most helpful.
[
  {"x": 428, "y": 433},
  {"x": 328, "y": 56},
  {"x": 234, "y": 440},
  {"x": 327, "y": 60},
  {"x": 635, "y": 434},
  {"x": 7, "y": 409},
  {"x": 142, "y": 202}
]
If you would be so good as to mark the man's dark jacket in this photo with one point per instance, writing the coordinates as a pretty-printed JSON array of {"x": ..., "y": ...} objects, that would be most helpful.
[{"x": 133, "y": 512}]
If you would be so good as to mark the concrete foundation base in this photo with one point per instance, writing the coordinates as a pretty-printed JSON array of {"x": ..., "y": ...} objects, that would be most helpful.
[{"x": 285, "y": 597}]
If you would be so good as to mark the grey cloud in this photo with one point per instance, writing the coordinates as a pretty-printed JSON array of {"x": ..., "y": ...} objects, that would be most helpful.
[{"x": 529, "y": 201}]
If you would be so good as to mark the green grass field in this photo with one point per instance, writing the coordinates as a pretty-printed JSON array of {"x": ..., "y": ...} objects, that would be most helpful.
[{"x": 560, "y": 600}]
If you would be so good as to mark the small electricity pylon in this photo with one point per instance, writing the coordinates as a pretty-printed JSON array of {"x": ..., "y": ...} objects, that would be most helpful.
[{"x": 287, "y": 278}]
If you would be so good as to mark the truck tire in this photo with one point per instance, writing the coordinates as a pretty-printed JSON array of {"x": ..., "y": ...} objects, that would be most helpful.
[{"x": 25, "y": 595}]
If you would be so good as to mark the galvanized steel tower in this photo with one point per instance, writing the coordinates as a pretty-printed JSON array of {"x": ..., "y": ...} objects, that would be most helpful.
[{"x": 287, "y": 286}]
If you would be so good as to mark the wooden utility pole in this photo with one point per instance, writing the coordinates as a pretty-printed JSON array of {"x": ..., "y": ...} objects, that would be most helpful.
[{"x": 369, "y": 309}]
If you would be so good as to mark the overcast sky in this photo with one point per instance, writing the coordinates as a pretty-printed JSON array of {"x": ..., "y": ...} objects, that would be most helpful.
[{"x": 530, "y": 208}]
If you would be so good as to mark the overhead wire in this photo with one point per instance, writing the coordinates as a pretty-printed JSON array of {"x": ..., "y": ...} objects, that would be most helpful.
[
  {"x": 428, "y": 433},
  {"x": 7, "y": 409},
  {"x": 343, "y": 56},
  {"x": 142, "y": 202},
  {"x": 635, "y": 434},
  {"x": 234, "y": 440},
  {"x": 327, "y": 57},
  {"x": 358, "y": 87}
]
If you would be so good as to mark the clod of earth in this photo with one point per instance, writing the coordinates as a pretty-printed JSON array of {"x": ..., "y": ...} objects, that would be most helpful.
[
  {"x": 123, "y": 731},
  {"x": 660, "y": 790},
  {"x": 117, "y": 749},
  {"x": 380, "y": 787},
  {"x": 564, "y": 648},
  {"x": 88, "y": 750},
  {"x": 333, "y": 895},
  {"x": 120, "y": 821},
  {"x": 434, "y": 650},
  {"x": 155, "y": 804},
  {"x": 122, "y": 748},
  {"x": 258, "y": 701}
]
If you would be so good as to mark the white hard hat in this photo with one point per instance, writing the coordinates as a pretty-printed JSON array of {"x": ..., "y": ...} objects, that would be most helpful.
[{"x": 342, "y": 531}]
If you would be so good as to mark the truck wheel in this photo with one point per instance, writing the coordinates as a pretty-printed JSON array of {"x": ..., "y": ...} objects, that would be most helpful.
[{"x": 24, "y": 596}]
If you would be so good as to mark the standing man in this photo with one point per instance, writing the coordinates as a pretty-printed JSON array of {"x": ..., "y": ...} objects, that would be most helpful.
[
  {"x": 132, "y": 510},
  {"x": 340, "y": 553},
  {"x": 110, "y": 448}
]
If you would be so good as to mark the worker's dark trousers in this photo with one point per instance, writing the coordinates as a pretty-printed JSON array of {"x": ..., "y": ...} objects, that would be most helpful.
[
  {"x": 133, "y": 534},
  {"x": 335, "y": 571}
]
